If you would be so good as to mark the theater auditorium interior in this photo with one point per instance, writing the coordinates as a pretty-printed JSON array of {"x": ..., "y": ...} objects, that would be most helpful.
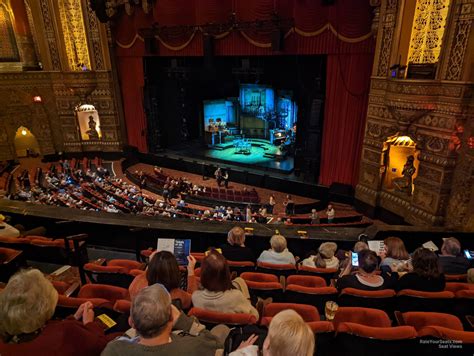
[{"x": 236, "y": 177}]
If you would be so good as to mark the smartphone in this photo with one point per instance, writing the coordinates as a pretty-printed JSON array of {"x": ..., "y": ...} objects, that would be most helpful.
[
  {"x": 468, "y": 254},
  {"x": 355, "y": 259}
]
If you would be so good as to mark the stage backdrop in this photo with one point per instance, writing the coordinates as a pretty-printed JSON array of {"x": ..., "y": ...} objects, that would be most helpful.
[{"x": 341, "y": 31}]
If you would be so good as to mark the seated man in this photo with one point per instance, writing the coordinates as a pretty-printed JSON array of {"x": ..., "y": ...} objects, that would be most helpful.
[
  {"x": 451, "y": 260},
  {"x": 153, "y": 318}
]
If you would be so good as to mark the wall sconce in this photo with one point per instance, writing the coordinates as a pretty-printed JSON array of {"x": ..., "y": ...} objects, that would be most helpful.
[{"x": 37, "y": 99}]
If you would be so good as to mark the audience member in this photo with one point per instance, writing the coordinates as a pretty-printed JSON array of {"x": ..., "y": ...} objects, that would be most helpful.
[
  {"x": 426, "y": 275},
  {"x": 235, "y": 249},
  {"x": 278, "y": 253},
  {"x": 451, "y": 259},
  {"x": 163, "y": 268},
  {"x": 315, "y": 217},
  {"x": 331, "y": 213},
  {"x": 153, "y": 319},
  {"x": 27, "y": 305},
  {"x": 395, "y": 257},
  {"x": 366, "y": 277},
  {"x": 324, "y": 258},
  {"x": 288, "y": 334},
  {"x": 219, "y": 292}
]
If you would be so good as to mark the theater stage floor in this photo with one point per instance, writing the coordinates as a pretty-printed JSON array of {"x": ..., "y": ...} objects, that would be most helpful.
[{"x": 262, "y": 155}]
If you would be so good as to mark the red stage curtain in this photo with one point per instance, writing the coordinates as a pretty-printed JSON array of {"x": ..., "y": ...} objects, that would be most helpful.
[
  {"x": 347, "y": 89},
  {"x": 131, "y": 83},
  {"x": 348, "y": 66}
]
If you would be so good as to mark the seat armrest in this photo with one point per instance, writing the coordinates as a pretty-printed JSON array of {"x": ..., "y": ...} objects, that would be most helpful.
[{"x": 78, "y": 237}]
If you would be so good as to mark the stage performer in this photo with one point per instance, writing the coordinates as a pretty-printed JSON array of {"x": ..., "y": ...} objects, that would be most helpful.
[
  {"x": 331, "y": 214},
  {"x": 218, "y": 175}
]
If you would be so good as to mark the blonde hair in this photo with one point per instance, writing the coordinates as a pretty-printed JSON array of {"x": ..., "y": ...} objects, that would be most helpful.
[
  {"x": 278, "y": 243},
  {"x": 236, "y": 236},
  {"x": 288, "y": 334},
  {"x": 27, "y": 303}
]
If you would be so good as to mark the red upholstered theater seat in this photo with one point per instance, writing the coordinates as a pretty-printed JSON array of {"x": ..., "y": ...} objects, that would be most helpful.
[
  {"x": 364, "y": 316},
  {"x": 122, "y": 305},
  {"x": 458, "y": 337},
  {"x": 306, "y": 281},
  {"x": 421, "y": 319},
  {"x": 412, "y": 300},
  {"x": 326, "y": 273},
  {"x": 263, "y": 285},
  {"x": 110, "y": 293},
  {"x": 128, "y": 264},
  {"x": 380, "y": 299},
  {"x": 310, "y": 290},
  {"x": 456, "y": 277},
  {"x": 358, "y": 339},
  {"x": 276, "y": 269},
  {"x": 112, "y": 275},
  {"x": 241, "y": 266},
  {"x": 307, "y": 312},
  {"x": 210, "y": 318},
  {"x": 458, "y": 286}
]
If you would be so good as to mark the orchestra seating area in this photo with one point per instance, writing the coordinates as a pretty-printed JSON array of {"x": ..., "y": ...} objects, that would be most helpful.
[{"x": 365, "y": 322}]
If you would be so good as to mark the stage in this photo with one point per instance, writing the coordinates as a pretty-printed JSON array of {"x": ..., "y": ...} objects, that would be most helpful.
[{"x": 259, "y": 153}]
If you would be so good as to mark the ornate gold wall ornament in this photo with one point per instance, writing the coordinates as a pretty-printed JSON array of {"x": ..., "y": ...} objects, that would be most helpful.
[
  {"x": 8, "y": 48},
  {"x": 75, "y": 37},
  {"x": 428, "y": 28}
]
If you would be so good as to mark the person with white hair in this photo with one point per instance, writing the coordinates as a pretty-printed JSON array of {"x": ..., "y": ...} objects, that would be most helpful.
[
  {"x": 159, "y": 328},
  {"x": 278, "y": 253},
  {"x": 288, "y": 334},
  {"x": 27, "y": 305}
]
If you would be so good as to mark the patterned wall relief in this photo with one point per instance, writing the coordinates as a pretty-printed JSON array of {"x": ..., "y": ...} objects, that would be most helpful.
[
  {"x": 459, "y": 41},
  {"x": 51, "y": 40},
  {"x": 428, "y": 28},
  {"x": 8, "y": 46},
  {"x": 388, "y": 30}
]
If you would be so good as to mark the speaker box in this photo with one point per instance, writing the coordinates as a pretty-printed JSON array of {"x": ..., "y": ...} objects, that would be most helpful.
[{"x": 277, "y": 41}]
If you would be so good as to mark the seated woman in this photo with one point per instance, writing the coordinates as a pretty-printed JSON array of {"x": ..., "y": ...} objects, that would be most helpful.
[
  {"x": 27, "y": 305},
  {"x": 324, "y": 258},
  {"x": 163, "y": 268},
  {"x": 219, "y": 292},
  {"x": 278, "y": 254},
  {"x": 366, "y": 277},
  {"x": 235, "y": 249},
  {"x": 395, "y": 257},
  {"x": 426, "y": 275}
]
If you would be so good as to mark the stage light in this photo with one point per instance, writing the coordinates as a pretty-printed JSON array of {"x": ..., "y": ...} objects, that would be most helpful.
[
  {"x": 37, "y": 99},
  {"x": 24, "y": 132}
]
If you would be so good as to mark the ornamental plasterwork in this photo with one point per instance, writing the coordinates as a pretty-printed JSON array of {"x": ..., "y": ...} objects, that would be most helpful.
[{"x": 428, "y": 28}]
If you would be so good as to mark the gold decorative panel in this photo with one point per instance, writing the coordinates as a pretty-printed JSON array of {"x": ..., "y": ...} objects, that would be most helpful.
[
  {"x": 75, "y": 37},
  {"x": 428, "y": 28},
  {"x": 8, "y": 46}
]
